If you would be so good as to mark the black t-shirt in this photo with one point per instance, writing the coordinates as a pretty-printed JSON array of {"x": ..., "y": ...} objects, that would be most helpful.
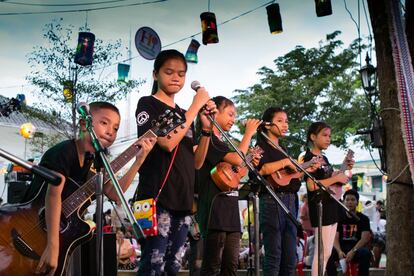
[
  {"x": 271, "y": 154},
  {"x": 177, "y": 194},
  {"x": 330, "y": 207},
  {"x": 62, "y": 158},
  {"x": 350, "y": 230},
  {"x": 216, "y": 210}
]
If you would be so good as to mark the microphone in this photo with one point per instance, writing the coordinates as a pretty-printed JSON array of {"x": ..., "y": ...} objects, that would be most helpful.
[
  {"x": 243, "y": 122},
  {"x": 195, "y": 85},
  {"x": 83, "y": 110}
]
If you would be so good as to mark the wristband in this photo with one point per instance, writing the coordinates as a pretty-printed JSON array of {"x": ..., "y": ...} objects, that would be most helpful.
[{"x": 205, "y": 133}]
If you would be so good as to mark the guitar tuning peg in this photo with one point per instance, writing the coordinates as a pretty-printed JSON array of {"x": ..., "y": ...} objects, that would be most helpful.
[
  {"x": 175, "y": 131},
  {"x": 168, "y": 136},
  {"x": 182, "y": 126}
]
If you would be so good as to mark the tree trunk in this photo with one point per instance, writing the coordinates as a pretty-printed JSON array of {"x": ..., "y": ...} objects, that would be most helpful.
[{"x": 400, "y": 195}]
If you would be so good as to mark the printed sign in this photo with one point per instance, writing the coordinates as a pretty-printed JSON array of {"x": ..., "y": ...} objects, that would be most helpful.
[{"x": 148, "y": 43}]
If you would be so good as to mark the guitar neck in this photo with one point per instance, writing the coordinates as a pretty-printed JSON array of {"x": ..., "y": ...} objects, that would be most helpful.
[
  {"x": 76, "y": 199},
  {"x": 344, "y": 165}
]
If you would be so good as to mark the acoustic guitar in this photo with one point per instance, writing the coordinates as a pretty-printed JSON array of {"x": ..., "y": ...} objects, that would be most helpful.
[
  {"x": 23, "y": 236},
  {"x": 284, "y": 176},
  {"x": 227, "y": 176}
]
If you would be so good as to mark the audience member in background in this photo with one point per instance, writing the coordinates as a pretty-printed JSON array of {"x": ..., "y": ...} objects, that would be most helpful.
[
  {"x": 352, "y": 237},
  {"x": 125, "y": 251},
  {"x": 304, "y": 216}
]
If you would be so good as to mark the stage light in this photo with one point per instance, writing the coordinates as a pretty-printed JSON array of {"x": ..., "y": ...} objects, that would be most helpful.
[
  {"x": 84, "y": 49},
  {"x": 123, "y": 71},
  {"x": 274, "y": 19},
  {"x": 323, "y": 7},
  {"x": 209, "y": 28},
  {"x": 191, "y": 54}
]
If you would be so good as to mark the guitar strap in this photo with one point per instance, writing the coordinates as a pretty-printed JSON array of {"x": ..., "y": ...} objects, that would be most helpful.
[
  {"x": 146, "y": 210},
  {"x": 168, "y": 172}
]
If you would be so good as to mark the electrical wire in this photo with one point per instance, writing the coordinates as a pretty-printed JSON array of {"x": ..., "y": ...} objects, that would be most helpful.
[
  {"x": 193, "y": 35},
  {"x": 62, "y": 5},
  {"x": 395, "y": 178},
  {"x": 83, "y": 10}
]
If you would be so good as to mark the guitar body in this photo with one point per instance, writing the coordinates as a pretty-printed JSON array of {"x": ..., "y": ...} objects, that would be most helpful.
[
  {"x": 227, "y": 177},
  {"x": 23, "y": 237},
  {"x": 282, "y": 178}
]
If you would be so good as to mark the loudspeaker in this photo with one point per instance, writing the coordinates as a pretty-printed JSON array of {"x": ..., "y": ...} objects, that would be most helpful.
[
  {"x": 89, "y": 255},
  {"x": 16, "y": 191}
]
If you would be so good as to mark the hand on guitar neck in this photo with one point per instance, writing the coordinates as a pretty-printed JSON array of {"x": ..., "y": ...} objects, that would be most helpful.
[
  {"x": 343, "y": 179},
  {"x": 284, "y": 176},
  {"x": 227, "y": 177}
]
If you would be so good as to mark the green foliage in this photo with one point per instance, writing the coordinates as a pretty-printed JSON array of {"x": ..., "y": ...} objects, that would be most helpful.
[
  {"x": 311, "y": 85},
  {"x": 52, "y": 65}
]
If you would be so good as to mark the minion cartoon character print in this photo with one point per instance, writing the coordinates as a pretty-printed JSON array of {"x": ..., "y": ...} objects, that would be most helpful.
[{"x": 145, "y": 213}]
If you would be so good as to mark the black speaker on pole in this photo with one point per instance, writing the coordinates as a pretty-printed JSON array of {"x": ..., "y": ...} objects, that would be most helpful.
[{"x": 89, "y": 255}]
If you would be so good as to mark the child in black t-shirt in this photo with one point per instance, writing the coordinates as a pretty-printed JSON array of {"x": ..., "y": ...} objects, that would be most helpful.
[
  {"x": 70, "y": 160},
  {"x": 319, "y": 139},
  {"x": 352, "y": 236},
  {"x": 218, "y": 211},
  {"x": 174, "y": 203},
  {"x": 279, "y": 233}
]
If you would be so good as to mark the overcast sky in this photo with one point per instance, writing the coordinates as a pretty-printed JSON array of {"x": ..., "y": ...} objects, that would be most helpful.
[{"x": 245, "y": 43}]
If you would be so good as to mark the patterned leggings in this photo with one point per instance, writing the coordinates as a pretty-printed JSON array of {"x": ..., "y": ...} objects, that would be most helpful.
[{"x": 163, "y": 253}]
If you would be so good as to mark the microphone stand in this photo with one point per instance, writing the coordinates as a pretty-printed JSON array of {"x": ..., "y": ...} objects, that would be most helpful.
[
  {"x": 322, "y": 189},
  {"x": 49, "y": 175},
  {"x": 99, "y": 196},
  {"x": 260, "y": 179}
]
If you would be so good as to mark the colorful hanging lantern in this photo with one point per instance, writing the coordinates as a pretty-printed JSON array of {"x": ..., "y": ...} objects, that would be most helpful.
[
  {"x": 27, "y": 130},
  {"x": 274, "y": 18},
  {"x": 84, "y": 49},
  {"x": 209, "y": 28},
  {"x": 191, "y": 54},
  {"x": 68, "y": 90},
  {"x": 323, "y": 7},
  {"x": 123, "y": 71}
]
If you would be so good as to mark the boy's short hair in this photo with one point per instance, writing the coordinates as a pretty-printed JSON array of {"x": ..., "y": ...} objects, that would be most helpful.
[
  {"x": 352, "y": 192},
  {"x": 103, "y": 105}
]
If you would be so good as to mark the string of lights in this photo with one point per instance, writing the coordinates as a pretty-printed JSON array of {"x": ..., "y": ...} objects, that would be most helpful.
[
  {"x": 193, "y": 35},
  {"x": 83, "y": 10},
  {"x": 62, "y": 5},
  {"x": 174, "y": 42}
]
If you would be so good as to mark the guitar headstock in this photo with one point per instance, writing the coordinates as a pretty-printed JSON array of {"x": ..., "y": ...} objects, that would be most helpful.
[
  {"x": 256, "y": 150},
  {"x": 350, "y": 154},
  {"x": 167, "y": 122}
]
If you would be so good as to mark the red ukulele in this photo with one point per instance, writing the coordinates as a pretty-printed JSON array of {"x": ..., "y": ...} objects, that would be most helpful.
[{"x": 227, "y": 177}]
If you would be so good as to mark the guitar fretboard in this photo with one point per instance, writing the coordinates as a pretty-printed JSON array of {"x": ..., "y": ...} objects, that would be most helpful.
[{"x": 87, "y": 190}]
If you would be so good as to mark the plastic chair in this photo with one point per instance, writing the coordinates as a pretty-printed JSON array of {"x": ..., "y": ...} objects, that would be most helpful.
[
  {"x": 301, "y": 263},
  {"x": 352, "y": 269}
]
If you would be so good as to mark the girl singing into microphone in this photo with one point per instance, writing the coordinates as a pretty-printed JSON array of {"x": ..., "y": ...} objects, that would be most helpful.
[
  {"x": 173, "y": 161},
  {"x": 218, "y": 213},
  {"x": 279, "y": 232}
]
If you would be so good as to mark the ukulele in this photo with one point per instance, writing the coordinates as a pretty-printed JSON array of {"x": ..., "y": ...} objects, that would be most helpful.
[
  {"x": 227, "y": 176},
  {"x": 284, "y": 176},
  {"x": 337, "y": 187}
]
